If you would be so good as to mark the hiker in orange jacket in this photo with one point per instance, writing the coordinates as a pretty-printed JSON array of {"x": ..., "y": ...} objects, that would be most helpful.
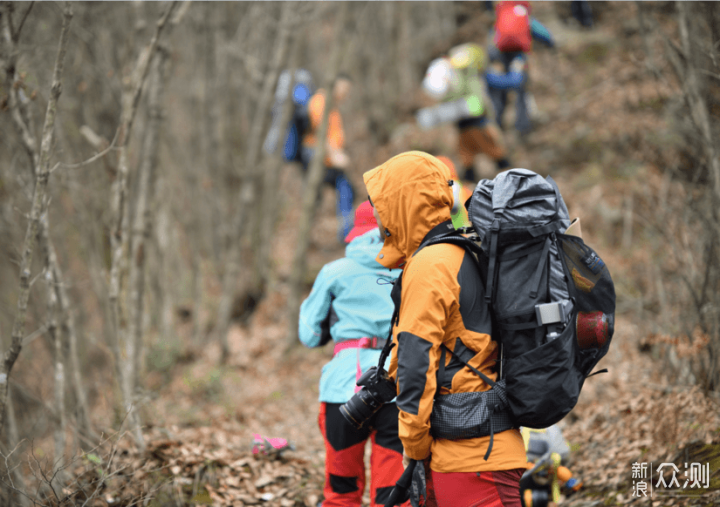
[{"x": 440, "y": 305}]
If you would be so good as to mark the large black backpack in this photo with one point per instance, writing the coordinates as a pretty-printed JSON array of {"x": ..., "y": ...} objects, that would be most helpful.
[{"x": 551, "y": 296}]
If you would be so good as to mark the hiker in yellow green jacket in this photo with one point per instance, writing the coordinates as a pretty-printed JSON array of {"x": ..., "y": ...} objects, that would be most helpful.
[
  {"x": 461, "y": 193},
  {"x": 458, "y": 80}
]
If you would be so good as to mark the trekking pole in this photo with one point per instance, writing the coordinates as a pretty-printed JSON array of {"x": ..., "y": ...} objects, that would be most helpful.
[{"x": 401, "y": 491}]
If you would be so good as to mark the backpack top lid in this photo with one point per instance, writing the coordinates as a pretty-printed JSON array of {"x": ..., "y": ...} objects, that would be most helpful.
[
  {"x": 512, "y": 27},
  {"x": 468, "y": 55},
  {"x": 521, "y": 198},
  {"x": 438, "y": 78},
  {"x": 301, "y": 90}
]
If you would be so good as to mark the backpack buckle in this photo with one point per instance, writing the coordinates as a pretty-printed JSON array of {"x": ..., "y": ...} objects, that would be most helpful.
[{"x": 553, "y": 313}]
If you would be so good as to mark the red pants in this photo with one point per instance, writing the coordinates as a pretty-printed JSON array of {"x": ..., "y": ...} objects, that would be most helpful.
[
  {"x": 345, "y": 456},
  {"x": 478, "y": 489}
]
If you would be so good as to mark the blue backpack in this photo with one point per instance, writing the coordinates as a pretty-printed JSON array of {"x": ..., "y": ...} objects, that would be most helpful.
[{"x": 300, "y": 121}]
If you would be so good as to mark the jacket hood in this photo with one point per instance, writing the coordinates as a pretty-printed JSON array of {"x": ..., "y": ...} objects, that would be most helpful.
[
  {"x": 364, "y": 248},
  {"x": 412, "y": 195}
]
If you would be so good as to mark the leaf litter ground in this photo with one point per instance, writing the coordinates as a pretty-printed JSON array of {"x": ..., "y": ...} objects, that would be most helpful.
[{"x": 199, "y": 449}]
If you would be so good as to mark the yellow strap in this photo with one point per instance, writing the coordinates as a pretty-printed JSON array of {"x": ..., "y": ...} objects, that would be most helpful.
[
  {"x": 556, "y": 459},
  {"x": 525, "y": 432}
]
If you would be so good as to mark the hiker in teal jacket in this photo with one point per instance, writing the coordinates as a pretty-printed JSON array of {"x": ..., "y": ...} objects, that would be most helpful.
[{"x": 350, "y": 304}]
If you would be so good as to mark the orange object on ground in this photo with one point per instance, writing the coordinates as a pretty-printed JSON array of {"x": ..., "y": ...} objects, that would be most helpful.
[
  {"x": 564, "y": 474},
  {"x": 412, "y": 196}
]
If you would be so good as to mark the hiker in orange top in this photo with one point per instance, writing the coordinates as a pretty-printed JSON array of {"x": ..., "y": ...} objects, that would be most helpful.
[
  {"x": 336, "y": 159},
  {"x": 443, "y": 337},
  {"x": 461, "y": 193}
]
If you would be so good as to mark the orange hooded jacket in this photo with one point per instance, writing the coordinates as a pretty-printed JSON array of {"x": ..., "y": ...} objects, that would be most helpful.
[{"x": 412, "y": 197}]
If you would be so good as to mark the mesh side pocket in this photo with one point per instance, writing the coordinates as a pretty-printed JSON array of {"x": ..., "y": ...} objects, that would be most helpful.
[{"x": 469, "y": 415}]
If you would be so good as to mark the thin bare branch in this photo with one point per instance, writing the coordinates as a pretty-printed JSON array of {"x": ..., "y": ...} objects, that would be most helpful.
[
  {"x": 39, "y": 201},
  {"x": 247, "y": 193},
  {"x": 133, "y": 86},
  {"x": 22, "y": 21}
]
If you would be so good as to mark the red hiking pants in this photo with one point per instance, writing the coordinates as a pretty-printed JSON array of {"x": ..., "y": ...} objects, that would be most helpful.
[
  {"x": 345, "y": 456},
  {"x": 478, "y": 489}
]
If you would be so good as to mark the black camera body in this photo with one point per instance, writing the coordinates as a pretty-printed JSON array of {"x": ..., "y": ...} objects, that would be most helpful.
[{"x": 377, "y": 389}]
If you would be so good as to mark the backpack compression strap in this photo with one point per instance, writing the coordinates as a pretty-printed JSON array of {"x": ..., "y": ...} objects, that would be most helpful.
[
  {"x": 494, "y": 233},
  {"x": 477, "y": 372}
]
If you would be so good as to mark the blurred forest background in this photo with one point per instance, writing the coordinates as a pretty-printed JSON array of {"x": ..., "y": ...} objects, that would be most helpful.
[{"x": 152, "y": 255}]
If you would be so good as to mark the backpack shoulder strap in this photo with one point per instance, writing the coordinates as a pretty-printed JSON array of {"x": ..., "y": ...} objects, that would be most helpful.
[
  {"x": 477, "y": 372},
  {"x": 477, "y": 254}
]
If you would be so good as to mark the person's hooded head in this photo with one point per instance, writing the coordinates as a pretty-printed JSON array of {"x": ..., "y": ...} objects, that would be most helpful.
[{"x": 411, "y": 195}]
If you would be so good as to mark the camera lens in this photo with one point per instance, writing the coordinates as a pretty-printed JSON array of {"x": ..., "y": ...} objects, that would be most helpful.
[{"x": 360, "y": 407}]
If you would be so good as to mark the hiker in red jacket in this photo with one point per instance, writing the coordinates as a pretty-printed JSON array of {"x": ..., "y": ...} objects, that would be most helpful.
[{"x": 513, "y": 33}]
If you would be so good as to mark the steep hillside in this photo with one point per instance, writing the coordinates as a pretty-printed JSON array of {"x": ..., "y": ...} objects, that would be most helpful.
[{"x": 601, "y": 120}]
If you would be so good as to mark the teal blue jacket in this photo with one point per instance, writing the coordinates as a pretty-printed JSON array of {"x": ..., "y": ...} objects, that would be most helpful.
[{"x": 351, "y": 298}]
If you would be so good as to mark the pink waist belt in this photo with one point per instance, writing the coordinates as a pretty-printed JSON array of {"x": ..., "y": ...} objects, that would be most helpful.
[{"x": 360, "y": 343}]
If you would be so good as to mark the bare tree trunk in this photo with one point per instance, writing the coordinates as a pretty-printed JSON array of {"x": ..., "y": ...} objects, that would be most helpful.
[
  {"x": 269, "y": 205},
  {"x": 142, "y": 225},
  {"x": 405, "y": 67},
  {"x": 698, "y": 106},
  {"x": 69, "y": 330},
  {"x": 644, "y": 32},
  {"x": 56, "y": 338},
  {"x": 314, "y": 178},
  {"x": 247, "y": 196},
  {"x": 211, "y": 130},
  {"x": 16, "y": 101},
  {"x": 119, "y": 238},
  {"x": 627, "y": 234},
  {"x": 163, "y": 237},
  {"x": 24, "y": 127},
  {"x": 38, "y": 205},
  {"x": 13, "y": 440},
  {"x": 197, "y": 294}
]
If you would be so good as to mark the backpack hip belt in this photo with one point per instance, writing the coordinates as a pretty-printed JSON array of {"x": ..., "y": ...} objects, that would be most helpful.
[
  {"x": 360, "y": 343},
  {"x": 459, "y": 416}
]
